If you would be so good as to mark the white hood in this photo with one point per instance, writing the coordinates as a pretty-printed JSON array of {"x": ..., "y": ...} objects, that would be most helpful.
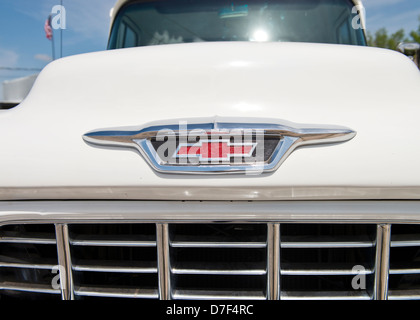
[{"x": 372, "y": 91}]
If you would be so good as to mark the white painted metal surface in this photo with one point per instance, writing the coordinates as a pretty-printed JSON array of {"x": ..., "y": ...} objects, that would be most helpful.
[{"x": 372, "y": 91}]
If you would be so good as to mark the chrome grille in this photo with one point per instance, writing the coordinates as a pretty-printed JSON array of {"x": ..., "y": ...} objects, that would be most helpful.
[{"x": 178, "y": 260}]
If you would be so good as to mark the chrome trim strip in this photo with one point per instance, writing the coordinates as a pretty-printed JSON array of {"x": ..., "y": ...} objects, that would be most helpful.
[
  {"x": 64, "y": 260},
  {"x": 273, "y": 261},
  {"x": 228, "y": 193},
  {"x": 213, "y": 211},
  {"x": 383, "y": 241},
  {"x": 164, "y": 267}
]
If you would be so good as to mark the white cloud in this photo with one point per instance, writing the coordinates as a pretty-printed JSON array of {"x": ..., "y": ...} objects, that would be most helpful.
[{"x": 43, "y": 57}]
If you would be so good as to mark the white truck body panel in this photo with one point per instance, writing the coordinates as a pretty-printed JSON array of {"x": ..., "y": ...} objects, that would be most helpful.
[{"x": 372, "y": 91}]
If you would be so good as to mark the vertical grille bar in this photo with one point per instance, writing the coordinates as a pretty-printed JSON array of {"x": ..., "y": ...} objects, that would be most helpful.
[
  {"x": 273, "y": 261},
  {"x": 383, "y": 242},
  {"x": 164, "y": 268},
  {"x": 64, "y": 260}
]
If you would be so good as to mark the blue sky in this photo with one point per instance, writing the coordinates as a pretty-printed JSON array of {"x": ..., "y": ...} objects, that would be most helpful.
[{"x": 23, "y": 42}]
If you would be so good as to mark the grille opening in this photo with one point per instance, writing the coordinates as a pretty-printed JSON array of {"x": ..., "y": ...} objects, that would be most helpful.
[
  {"x": 27, "y": 276},
  {"x": 333, "y": 283},
  {"x": 219, "y": 283},
  {"x": 404, "y": 262},
  {"x": 405, "y": 258},
  {"x": 405, "y": 229},
  {"x": 114, "y": 254},
  {"x": 82, "y": 234},
  {"x": 47, "y": 230},
  {"x": 214, "y": 256},
  {"x": 13, "y": 295},
  {"x": 28, "y": 233},
  {"x": 336, "y": 231},
  {"x": 219, "y": 232},
  {"x": 116, "y": 280},
  {"x": 26, "y": 253},
  {"x": 404, "y": 282},
  {"x": 331, "y": 257}
]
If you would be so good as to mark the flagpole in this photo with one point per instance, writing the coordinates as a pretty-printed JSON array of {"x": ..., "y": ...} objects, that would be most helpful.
[
  {"x": 53, "y": 47},
  {"x": 61, "y": 34},
  {"x": 52, "y": 38}
]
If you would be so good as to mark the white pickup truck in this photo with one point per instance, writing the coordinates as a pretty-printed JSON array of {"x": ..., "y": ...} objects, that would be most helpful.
[{"x": 239, "y": 150}]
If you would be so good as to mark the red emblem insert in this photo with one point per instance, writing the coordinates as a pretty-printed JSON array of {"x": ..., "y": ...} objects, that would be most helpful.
[{"x": 215, "y": 150}]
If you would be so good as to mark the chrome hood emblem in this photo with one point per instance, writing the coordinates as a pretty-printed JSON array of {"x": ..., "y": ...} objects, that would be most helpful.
[{"x": 218, "y": 145}]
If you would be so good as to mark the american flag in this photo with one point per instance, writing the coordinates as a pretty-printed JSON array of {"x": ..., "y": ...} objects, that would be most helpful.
[{"x": 48, "y": 29}]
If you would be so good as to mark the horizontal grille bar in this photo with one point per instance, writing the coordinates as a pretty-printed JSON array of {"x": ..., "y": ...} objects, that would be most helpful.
[
  {"x": 186, "y": 244},
  {"x": 229, "y": 269},
  {"x": 112, "y": 243},
  {"x": 325, "y": 242},
  {"x": 119, "y": 267},
  {"x": 332, "y": 295},
  {"x": 217, "y": 295},
  {"x": 28, "y": 287},
  {"x": 295, "y": 270},
  {"x": 27, "y": 240},
  {"x": 404, "y": 295},
  {"x": 405, "y": 271},
  {"x": 27, "y": 265},
  {"x": 115, "y": 292},
  {"x": 406, "y": 240}
]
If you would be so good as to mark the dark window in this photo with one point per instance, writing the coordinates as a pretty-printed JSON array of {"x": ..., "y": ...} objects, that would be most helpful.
[{"x": 181, "y": 21}]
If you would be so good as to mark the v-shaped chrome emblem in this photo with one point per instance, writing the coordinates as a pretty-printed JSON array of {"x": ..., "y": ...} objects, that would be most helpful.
[{"x": 218, "y": 145}]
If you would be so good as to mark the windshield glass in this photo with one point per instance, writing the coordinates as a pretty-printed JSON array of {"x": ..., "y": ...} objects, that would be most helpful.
[{"x": 181, "y": 21}]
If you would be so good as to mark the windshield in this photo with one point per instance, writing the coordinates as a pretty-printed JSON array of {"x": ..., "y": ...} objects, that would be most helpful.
[{"x": 181, "y": 21}]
